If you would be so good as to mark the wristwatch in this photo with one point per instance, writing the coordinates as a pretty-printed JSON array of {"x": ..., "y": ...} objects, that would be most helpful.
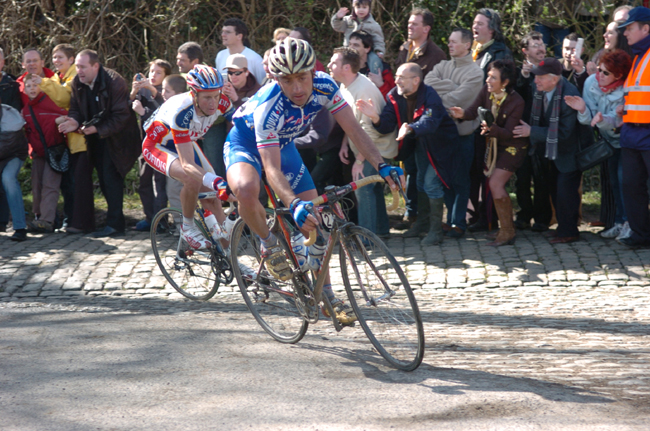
[{"x": 358, "y": 162}]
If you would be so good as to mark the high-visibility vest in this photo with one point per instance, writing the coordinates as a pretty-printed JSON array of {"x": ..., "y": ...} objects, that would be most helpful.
[{"x": 637, "y": 92}]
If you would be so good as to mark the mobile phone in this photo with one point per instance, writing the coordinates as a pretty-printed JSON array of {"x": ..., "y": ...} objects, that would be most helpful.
[
  {"x": 578, "y": 50},
  {"x": 139, "y": 77}
]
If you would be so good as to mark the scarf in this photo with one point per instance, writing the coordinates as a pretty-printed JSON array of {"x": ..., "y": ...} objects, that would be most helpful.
[
  {"x": 415, "y": 51},
  {"x": 477, "y": 48},
  {"x": 553, "y": 121},
  {"x": 492, "y": 147},
  {"x": 610, "y": 87}
]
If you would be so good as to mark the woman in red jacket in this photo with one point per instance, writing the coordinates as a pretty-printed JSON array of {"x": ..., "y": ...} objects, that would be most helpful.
[{"x": 46, "y": 182}]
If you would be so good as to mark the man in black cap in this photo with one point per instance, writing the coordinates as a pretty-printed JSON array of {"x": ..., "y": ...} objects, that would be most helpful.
[
  {"x": 554, "y": 136},
  {"x": 635, "y": 133}
]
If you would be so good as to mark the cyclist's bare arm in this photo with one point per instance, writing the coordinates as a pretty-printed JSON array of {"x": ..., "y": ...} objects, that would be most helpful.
[
  {"x": 272, "y": 162},
  {"x": 348, "y": 122}
]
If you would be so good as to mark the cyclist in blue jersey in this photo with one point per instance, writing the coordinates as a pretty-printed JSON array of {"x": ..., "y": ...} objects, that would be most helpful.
[{"x": 262, "y": 137}]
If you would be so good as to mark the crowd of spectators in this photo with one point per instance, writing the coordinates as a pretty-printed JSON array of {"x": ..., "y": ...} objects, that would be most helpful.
[{"x": 462, "y": 124}]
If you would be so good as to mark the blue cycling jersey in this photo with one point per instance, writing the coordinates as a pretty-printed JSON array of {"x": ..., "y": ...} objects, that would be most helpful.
[{"x": 270, "y": 119}]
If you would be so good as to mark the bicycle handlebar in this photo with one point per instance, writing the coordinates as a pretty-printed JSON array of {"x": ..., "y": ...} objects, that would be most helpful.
[{"x": 354, "y": 185}]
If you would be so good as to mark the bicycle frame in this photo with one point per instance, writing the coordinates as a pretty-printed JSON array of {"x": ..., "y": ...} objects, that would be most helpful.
[{"x": 333, "y": 221}]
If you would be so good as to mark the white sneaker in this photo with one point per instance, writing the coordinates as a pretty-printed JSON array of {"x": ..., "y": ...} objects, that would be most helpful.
[
  {"x": 612, "y": 232},
  {"x": 626, "y": 231},
  {"x": 195, "y": 239},
  {"x": 247, "y": 272}
]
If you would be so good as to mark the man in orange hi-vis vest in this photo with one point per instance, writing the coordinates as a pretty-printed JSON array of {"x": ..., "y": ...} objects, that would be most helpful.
[{"x": 635, "y": 133}]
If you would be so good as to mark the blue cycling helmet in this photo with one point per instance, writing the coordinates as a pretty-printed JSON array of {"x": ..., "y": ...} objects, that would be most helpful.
[{"x": 204, "y": 78}]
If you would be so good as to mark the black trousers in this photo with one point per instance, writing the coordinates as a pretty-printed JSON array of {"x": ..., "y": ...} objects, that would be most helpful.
[
  {"x": 535, "y": 204},
  {"x": 152, "y": 190},
  {"x": 83, "y": 211},
  {"x": 484, "y": 209},
  {"x": 636, "y": 169},
  {"x": 566, "y": 199},
  {"x": 110, "y": 182}
]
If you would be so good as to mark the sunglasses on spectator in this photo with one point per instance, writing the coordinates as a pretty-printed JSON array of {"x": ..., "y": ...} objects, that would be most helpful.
[
  {"x": 604, "y": 72},
  {"x": 235, "y": 73}
]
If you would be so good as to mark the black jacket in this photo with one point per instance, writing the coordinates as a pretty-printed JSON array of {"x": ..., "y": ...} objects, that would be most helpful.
[
  {"x": 9, "y": 91},
  {"x": 118, "y": 124},
  {"x": 496, "y": 51},
  {"x": 571, "y": 134},
  {"x": 432, "y": 128}
]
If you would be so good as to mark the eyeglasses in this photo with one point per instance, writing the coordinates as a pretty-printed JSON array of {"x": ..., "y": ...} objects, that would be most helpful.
[
  {"x": 604, "y": 72},
  {"x": 235, "y": 73},
  {"x": 538, "y": 45}
]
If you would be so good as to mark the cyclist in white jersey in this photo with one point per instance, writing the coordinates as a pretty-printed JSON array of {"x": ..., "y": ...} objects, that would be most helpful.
[
  {"x": 170, "y": 145},
  {"x": 263, "y": 133}
]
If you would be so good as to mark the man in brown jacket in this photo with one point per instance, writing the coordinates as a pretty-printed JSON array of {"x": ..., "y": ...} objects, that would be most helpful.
[
  {"x": 99, "y": 108},
  {"x": 419, "y": 47}
]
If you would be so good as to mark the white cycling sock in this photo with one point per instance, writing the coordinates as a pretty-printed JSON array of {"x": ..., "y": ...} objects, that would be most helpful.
[{"x": 187, "y": 223}]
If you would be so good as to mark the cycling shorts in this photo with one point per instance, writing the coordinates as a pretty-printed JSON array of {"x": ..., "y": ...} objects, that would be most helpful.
[
  {"x": 160, "y": 156},
  {"x": 292, "y": 167}
]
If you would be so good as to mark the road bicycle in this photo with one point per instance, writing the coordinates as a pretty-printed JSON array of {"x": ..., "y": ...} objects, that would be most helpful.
[
  {"x": 376, "y": 287},
  {"x": 195, "y": 274}
]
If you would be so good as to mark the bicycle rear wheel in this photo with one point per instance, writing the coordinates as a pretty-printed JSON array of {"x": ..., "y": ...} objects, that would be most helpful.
[
  {"x": 190, "y": 272},
  {"x": 382, "y": 298},
  {"x": 270, "y": 301}
]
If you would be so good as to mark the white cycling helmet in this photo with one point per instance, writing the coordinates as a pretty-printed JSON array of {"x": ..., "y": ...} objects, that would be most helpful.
[{"x": 291, "y": 56}]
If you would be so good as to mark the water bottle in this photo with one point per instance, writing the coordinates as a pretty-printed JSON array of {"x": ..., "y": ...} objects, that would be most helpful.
[
  {"x": 213, "y": 225},
  {"x": 300, "y": 250},
  {"x": 316, "y": 253}
]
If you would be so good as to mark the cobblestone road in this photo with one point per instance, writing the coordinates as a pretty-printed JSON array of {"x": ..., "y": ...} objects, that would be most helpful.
[{"x": 575, "y": 315}]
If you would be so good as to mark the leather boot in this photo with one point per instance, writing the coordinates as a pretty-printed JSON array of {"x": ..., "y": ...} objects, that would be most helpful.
[
  {"x": 435, "y": 235},
  {"x": 421, "y": 225},
  {"x": 506, "y": 235}
]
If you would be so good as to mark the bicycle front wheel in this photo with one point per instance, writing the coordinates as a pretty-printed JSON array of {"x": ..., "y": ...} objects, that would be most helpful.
[
  {"x": 191, "y": 272},
  {"x": 269, "y": 300},
  {"x": 382, "y": 298}
]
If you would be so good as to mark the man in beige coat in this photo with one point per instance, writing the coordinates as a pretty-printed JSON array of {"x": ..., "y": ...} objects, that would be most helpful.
[{"x": 458, "y": 81}]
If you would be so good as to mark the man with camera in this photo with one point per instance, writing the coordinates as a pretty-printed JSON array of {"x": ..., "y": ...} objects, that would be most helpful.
[{"x": 100, "y": 109}]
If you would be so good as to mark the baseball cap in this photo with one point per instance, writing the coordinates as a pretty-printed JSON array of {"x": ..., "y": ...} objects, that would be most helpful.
[
  {"x": 548, "y": 65},
  {"x": 236, "y": 61}
]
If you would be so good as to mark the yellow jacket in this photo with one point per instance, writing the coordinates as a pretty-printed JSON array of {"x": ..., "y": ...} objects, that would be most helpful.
[{"x": 60, "y": 90}]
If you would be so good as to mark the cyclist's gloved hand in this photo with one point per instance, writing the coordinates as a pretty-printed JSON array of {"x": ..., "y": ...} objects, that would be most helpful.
[
  {"x": 299, "y": 210},
  {"x": 217, "y": 184},
  {"x": 221, "y": 187},
  {"x": 385, "y": 169}
]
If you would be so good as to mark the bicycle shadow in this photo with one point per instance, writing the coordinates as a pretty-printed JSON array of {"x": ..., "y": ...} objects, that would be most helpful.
[{"x": 456, "y": 381}]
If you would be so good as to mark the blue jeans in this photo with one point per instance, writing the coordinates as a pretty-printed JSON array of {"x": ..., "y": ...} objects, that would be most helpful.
[
  {"x": 428, "y": 181},
  {"x": 616, "y": 180},
  {"x": 457, "y": 196},
  {"x": 14, "y": 194},
  {"x": 372, "y": 206}
]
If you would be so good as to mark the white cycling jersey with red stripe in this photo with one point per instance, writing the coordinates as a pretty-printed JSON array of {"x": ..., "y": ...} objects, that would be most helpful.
[{"x": 176, "y": 121}]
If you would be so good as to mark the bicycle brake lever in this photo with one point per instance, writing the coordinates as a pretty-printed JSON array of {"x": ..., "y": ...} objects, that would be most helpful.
[{"x": 395, "y": 177}]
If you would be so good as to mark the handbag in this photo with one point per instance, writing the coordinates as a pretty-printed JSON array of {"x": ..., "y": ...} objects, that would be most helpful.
[
  {"x": 57, "y": 156},
  {"x": 594, "y": 154}
]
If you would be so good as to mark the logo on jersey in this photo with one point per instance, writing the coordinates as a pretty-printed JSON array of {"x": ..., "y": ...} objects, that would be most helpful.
[{"x": 156, "y": 130}]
